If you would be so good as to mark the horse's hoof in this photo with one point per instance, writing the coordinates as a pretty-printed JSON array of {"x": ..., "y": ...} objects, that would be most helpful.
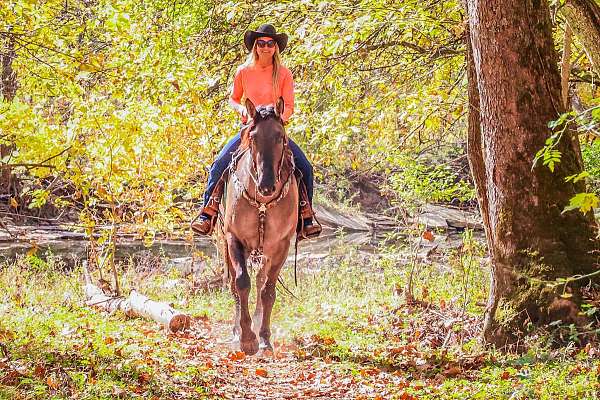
[
  {"x": 265, "y": 345},
  {"x": 250, "y": 347}
]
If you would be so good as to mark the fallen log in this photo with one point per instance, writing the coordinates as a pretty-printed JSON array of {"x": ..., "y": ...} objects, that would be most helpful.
[
  {"x": 95, "y": 297},
  {"x": 160, "y": 312},
  {"x": 136, "y": 305}
]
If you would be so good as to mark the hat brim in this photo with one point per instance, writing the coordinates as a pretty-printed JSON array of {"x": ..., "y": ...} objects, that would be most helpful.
[{"x": 280, "y": 38}]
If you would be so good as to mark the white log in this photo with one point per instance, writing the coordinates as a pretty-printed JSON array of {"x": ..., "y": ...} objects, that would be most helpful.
[
  {"x": 135, "y": 305},
  {"x": 160, "y": 312},
  {"x": 95, "y": 297}
]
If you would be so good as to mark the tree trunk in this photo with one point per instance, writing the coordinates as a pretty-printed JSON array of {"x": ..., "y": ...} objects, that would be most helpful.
[
  {"x": 514, "y": 91},
  {"x": 565, "y": 66},
  {"x": 476, "y": 159},
  {"x": 8, "y": 89},
  {"x": 584, "y": 18},
  {"x": 9, "y": 77}
]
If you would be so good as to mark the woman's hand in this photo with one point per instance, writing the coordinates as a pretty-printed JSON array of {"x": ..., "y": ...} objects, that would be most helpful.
[{"x": 246, "y": 119}]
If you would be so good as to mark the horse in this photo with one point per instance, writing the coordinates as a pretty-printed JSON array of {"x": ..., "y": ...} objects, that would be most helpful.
[{"x": 259, "y": 221}]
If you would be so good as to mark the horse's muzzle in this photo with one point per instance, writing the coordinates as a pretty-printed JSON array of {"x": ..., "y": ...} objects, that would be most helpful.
[{"x": 266, "y": 190}]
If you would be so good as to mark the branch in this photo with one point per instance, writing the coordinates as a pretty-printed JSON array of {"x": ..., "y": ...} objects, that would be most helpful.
[
  {"x": 56, "y": 155},
  {"x": 26, "y": 165}
]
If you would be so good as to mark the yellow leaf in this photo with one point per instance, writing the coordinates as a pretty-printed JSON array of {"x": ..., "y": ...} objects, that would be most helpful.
[{"x": 14, "y": 203}]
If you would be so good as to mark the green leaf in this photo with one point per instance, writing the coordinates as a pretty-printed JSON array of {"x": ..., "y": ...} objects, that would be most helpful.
[{"x": 583, "y": 202}]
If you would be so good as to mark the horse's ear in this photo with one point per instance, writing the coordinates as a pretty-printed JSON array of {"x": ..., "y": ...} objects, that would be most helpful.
[
  {"x": 250, "y": 108},
  {"x": 279, "y": 107}
]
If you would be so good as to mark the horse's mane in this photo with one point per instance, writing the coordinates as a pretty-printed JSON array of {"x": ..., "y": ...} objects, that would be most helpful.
[{"x": 262, "y": 113}]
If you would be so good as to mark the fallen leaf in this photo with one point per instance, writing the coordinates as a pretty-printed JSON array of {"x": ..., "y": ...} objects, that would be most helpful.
[
  {"x": 443, "y": 304},
  {"x": 39, "y": 371},
  {"x": 453, "y": 371},
  {"x": 428, "y": 235},
  {"x": 144, "y": 378},
  {"x": 51, "y": 383},
  {"x": 236, "y": 355},
  {"x": 328, "y": 340},
  {"x": 261, "y": 372}
]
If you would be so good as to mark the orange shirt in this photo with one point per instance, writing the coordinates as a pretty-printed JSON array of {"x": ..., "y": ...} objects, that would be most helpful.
[{"x": 256, "y": 83}]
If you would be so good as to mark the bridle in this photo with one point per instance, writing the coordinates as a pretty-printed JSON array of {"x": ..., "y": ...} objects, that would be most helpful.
[
  {"x": 257, "y": 255},
  {"x": 254, "y": 171}
]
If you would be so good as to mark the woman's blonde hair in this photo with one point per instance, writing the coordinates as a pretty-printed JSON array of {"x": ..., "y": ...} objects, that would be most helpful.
[{"x": 253, "y": 58}]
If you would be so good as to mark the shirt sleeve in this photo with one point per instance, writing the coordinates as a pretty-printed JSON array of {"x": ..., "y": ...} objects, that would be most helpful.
[
  {"x": 238, "y": 87},
  {"x": 287, "y": 92}
]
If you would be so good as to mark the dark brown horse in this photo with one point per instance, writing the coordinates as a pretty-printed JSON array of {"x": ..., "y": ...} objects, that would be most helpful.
[{"x": 260, "y": 220}]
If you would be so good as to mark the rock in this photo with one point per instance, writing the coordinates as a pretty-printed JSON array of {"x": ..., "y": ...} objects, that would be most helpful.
[
  {"x": 335, "y": 219},
  {"x": 435, "y": 216}
]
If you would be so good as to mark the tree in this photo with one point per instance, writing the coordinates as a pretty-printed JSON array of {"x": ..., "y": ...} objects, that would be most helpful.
[
  {"x": 583, "y": 16},
  {"x": 514, "y": 91},
  {"x": 8, "y": 88}
]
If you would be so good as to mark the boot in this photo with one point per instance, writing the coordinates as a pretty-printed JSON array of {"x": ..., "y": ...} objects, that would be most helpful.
[
  {"x": 308, "y": 226},
  {"x": 205, "y": 222}
]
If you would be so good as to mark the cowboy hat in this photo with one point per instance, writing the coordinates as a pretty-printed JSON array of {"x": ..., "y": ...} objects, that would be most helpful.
[{"x": 267, "y": 30}]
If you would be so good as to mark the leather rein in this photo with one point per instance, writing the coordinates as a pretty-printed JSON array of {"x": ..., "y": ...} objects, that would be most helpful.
[{"x": 257, "y": 255}]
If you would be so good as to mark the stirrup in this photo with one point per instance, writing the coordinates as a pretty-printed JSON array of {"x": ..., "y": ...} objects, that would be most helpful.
[
  {"x": 314, "y": 230},
  {"x": 204, "y": 226},
  {"x": 303, "y": 234}
]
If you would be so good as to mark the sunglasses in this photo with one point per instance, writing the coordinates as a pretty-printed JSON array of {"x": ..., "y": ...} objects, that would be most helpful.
[{"x": 268, "y": 43}]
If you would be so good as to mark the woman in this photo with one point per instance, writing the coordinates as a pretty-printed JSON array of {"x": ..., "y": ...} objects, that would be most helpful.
[{"x": 262, "y": 79}]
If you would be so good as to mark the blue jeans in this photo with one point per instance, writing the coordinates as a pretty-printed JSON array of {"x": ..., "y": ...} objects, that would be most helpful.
[{"x": 226, "y": 154}]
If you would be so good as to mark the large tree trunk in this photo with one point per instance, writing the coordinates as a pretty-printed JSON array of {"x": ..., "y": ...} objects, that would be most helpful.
[
  {"x": 514, "y": 90},
  {"x": 584, "y": 18}
]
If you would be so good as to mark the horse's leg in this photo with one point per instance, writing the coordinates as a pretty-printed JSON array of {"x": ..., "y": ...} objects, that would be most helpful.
[
  {"x": 237, "y": 330},
  {"x": 261, "y": 277},
  {"x": 229, "y": 272},
  {"x": 267, "y": 297},
  {"x": 248, "y": 342}
]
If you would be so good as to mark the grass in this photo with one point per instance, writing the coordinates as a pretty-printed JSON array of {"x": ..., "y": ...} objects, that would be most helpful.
[{"x": 350, "y": 308}]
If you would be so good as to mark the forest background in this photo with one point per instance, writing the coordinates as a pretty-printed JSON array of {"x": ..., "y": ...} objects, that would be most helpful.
[{"x": 112, "y": 111}]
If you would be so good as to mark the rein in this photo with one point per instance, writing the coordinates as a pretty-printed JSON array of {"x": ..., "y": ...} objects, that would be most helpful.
[{"x": 257, "y": 255}]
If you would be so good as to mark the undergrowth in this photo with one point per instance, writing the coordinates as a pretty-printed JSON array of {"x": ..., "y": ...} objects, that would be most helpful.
[{"x": 351, "y": 308}]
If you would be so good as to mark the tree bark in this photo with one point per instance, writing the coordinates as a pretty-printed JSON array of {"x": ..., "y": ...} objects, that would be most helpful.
[
  {"x": 514, "y": 91},
  {"x": 565, "y": 66},
  {"x": 584, "y": 18},
  {"x": 476, "y": 160},
  {"x": 9, "y": 77},
  {"x": 8, "y": 90}
]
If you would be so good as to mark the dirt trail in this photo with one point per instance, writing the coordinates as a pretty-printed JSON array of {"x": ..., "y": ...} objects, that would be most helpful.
[{"x": 278, "y": 375}]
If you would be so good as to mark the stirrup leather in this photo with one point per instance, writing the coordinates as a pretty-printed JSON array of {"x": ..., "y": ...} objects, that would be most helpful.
[
  {"x": 306, "y": 212},
  {"x": 210, "y": 209}
]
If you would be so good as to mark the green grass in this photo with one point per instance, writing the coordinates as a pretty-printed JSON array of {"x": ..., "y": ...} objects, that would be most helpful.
[
  {"x": 67, "y": 350},
  {"x": 350, "y": 308}
]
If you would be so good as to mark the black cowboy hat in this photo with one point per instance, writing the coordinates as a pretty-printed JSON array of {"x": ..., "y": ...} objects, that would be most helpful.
[{"x": 267, "y": 30}]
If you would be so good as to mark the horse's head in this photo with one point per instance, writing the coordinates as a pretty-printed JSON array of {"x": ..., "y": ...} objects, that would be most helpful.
[{"x": 267, "y": 141}]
